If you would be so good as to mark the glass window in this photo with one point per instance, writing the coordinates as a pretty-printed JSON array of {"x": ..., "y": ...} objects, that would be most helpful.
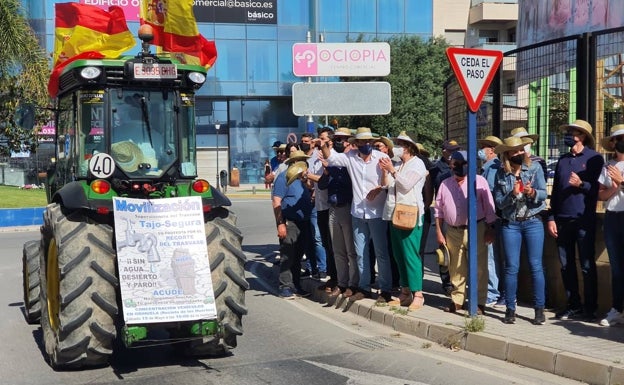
[
  {"x": 285, "y": 62},
  {"x": 261, "y": 60},
  {"x": 390, "y": 16},
  {"x": 229, "y": 31},
  {"x": 261, "y": 32},
  {"x": 231, "y": 62},
  {"x": 292, "y": 33},
  {"x": 291, "y": 12},
  {"x": 362, "y": 16},
  {"x": 419, "y": 16},
  {"x": 332, "y": 16}
]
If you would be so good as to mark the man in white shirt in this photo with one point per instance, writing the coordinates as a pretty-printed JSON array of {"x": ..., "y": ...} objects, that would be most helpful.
[{"x": 366, "y": 210}]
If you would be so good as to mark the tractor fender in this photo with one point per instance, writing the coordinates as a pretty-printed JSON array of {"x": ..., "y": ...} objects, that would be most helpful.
[
  {"x": 218, "y": 199},
  {"x": 72, "y": 196}
]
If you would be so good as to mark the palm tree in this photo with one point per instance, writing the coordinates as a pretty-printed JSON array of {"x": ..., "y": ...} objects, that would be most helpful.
[{"x": 24, "y": 71}]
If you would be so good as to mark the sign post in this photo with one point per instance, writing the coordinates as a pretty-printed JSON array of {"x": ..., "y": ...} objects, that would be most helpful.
[{"x": 474, "y": 69}]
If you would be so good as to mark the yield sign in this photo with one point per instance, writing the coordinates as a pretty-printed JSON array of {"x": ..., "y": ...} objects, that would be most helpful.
[{"x": 474, "y": 69}]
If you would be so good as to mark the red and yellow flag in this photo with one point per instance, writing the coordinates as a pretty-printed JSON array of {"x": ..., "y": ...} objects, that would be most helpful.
[
  {"x": 86, "y": 31},
  {"x": 175, "y": 31}
]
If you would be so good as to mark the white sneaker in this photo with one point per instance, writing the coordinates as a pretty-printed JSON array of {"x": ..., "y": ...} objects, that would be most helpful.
[{"x": 613, "y": 317}]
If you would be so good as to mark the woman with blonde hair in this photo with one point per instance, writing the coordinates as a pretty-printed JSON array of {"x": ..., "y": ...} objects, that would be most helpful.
[{"x": 520, "y": 194}]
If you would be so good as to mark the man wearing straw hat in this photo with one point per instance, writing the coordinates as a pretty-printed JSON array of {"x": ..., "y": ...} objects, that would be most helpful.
[
  {"x": 572, "y": 217},
  {"x": 292, "y": 207},
  {"x": 366, "y": 210}
]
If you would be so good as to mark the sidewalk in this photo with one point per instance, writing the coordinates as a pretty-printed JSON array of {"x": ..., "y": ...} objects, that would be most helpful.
[{"x": 582, "y": 351}]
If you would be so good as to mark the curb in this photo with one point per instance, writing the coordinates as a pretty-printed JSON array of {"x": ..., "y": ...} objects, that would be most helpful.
[{"x": 562, "y": 363}]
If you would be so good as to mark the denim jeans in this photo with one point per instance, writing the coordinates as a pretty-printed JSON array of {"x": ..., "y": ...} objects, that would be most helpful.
[
  {"x": 317, "y": 259},
  {"x": 363, "y": 231},
  {"x": 531, "y": 233},
  {"x": 614, "y": 241},
  {"x": 581, "y": 233}
]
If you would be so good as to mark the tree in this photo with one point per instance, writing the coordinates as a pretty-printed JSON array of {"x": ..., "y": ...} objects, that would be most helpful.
[
  {"x": 24, "y": 74},
  {"x": 418, "y": 70}
]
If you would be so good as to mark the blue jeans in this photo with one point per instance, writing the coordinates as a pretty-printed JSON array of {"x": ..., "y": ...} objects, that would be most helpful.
[
  {"x": 317, "y": 260},
  {"x": 614, "y": 241},
  {"x": 363, "y": 231},
  {"x": 514, "y": 233}
]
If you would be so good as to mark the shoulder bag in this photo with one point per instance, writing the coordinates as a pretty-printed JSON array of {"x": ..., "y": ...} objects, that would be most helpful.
[{"x": 404, "y": 217}]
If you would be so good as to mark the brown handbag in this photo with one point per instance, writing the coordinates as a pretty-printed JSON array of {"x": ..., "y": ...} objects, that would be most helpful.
[{"x": 404, "y": 216}]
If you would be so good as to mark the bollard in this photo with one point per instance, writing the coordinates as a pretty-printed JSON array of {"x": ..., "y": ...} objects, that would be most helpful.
[{"x": 253, "y": 190}]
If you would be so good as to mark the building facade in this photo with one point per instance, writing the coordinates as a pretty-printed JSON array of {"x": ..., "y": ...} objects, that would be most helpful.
[{"x": 246, "y": 104}]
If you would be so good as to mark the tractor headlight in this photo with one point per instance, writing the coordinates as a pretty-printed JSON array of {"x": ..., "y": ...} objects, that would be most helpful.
[
  {"x": 197, "y": 77},
  {"x": 90, "y": 73}
]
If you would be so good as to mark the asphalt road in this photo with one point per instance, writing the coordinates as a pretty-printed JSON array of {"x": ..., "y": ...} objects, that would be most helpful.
[{"x": 285, "y": 342}]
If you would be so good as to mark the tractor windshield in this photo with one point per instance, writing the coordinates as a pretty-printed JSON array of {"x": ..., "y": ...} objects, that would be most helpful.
[{"x": 147, "y": 135}]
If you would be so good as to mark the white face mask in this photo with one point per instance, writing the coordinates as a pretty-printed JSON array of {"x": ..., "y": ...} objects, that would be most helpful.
[
  {"x": 398, "y": 151},
  {"x": 527, "y": 149}
]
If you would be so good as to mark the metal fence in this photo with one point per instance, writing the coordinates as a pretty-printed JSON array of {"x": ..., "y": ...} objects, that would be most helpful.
[{"x": 545, "y": 85}]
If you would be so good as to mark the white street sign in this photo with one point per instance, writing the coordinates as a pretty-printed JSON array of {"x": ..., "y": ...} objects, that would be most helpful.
[
  {"x": 341, "y": 98},
  {"x": 474, "y": 69},
  {"x": 341, "y": 59}
]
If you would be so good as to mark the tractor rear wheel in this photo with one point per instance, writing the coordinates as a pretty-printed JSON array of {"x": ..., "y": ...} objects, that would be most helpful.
[
  {"x": 227, "y": 264},
  {"x": 79, "y": 285},
  {"x": 30, "y": 279}
]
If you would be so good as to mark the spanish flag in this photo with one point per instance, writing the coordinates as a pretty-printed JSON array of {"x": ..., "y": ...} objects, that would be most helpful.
[
  {"x": 85, "y": 31},
  {"x": 175, "y": 31}
]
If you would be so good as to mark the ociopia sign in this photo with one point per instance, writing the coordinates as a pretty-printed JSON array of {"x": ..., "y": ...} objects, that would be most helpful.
[{"x": 341, "y": 59}]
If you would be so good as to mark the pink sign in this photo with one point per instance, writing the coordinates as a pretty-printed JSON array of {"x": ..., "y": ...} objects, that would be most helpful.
[
  {"x": 341, "y": 59},
  {"x": 130, "y": 7}
]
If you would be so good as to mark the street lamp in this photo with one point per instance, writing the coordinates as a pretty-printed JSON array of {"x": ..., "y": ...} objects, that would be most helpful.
[{"x": 217, "y": 126}]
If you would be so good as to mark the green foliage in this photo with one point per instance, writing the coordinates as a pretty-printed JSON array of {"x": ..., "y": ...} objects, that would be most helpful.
[
  {"x": 419, "y": 70},
  {"x": 474, "y": 324},
  {"x": 24, "y": 74}
]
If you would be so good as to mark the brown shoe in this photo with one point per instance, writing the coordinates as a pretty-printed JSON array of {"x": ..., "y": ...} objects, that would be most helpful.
[
  {"x": 335, "y": 293},
  {"x": 348, "y": 293},
  {"x": 480, "y": 309},
  {"x": 405, "y": 298},
  {"x": 453, "y": 308},
  {"x": 357, "y": 296}
]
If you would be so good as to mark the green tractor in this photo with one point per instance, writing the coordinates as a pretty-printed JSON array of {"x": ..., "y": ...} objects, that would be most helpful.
[{"x": 125, "y": 128}]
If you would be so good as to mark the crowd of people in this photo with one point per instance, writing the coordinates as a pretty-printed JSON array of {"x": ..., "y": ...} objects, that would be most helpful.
[{"x": 336, "y": 197}]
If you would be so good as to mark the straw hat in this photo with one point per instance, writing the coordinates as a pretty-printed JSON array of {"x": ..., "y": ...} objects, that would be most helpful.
[
  {"x": 450, "y": 146},
  {"x": 489, "y": 141},
  {"x": 583, "y": 126},
  {"x": 342, "y": 131},
  {"x": 295, "y": 170},
  {"x": 388, "y": 144},
  {"x": 443, "y": 255},
  {"x": 362, "y": 133},
  {"x": 422, "y": 150},
  {"x": 513, "y": 143},
  {"x": 127, "y": 155},
  {"x": 607, "y": 142},
  {"x": 296, "y": 156},
  {"x": 521, "y": 132}
]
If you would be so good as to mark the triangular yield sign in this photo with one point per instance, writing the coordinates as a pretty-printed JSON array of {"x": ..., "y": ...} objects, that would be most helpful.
[{"x": 474, "y": 69}]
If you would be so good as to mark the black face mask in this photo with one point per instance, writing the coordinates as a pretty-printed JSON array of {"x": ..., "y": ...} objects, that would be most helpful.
[
  {"x": 619, "y": 146},
  {"x": 568, "y": 140},
  {"x": 305, "y": 147},
  {"x": 339, "y": 147},
  {"x": 517, "y": 159}
]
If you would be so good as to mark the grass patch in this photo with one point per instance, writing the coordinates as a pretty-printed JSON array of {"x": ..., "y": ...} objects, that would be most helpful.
[
  {"x": 474, "y": 324},
  {"x": 13, "y": 197}
]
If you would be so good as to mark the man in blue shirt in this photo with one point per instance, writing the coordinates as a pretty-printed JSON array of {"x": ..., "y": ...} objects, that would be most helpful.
[
  {"x": 292, "y": 207},
  {"x": 572, "y": 218}
]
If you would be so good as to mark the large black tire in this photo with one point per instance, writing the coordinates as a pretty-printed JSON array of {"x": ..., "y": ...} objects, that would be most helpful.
[
  {"x": 30, "y": 279},
  {"x": 227, "y": 264},
  {"x": 78, "y": 296}
]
